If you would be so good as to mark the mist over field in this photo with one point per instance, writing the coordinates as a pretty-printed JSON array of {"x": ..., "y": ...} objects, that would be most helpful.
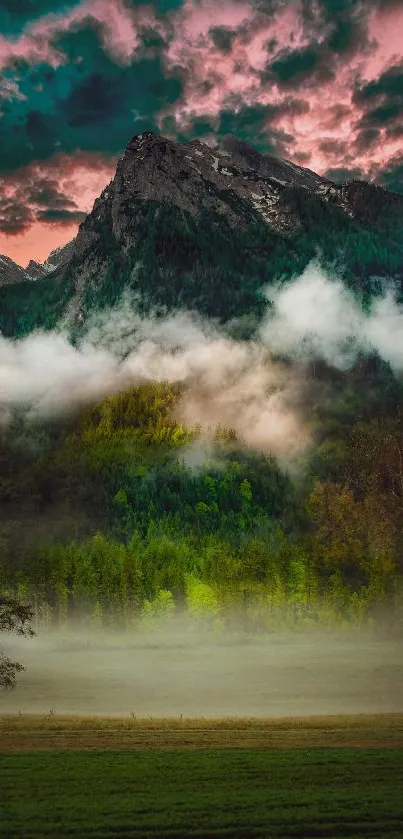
[{"x": 193, "y": 673}]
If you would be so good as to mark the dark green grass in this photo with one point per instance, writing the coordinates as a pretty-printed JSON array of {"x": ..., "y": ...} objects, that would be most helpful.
[{"x": 313, "y": 793}]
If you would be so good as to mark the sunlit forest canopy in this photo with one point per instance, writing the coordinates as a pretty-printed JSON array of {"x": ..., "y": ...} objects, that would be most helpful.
[{"x": 108, "y": 518}]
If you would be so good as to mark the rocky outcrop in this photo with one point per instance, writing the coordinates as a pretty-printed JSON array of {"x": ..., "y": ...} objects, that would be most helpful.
[{"x": 10, "y": 272}]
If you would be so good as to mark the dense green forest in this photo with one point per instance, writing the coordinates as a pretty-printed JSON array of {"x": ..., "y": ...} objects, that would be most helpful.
[{"x": 104, "y": 520}]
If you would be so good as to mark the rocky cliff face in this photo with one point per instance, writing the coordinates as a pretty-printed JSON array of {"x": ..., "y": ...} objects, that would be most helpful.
[
  {"x": 228, "y": 180},
  {"x": 59, "y": 257},
  {"x": 223, "y": 192},
  {"x": 208, "y": 227},
  {"x": 10, "y": 272}
]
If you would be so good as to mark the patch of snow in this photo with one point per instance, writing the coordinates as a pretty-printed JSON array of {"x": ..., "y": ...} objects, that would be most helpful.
[
  {"x": 215, "y": 164},
  {"x": 283, "y": 183},
  {"x": 199, "y": 153},
  {"x": 226, "y": 172},
  {"x": 224, "y": 154}
]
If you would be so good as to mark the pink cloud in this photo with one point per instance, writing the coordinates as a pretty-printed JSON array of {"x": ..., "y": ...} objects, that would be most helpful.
[
  {"x": 81, "y": 178},
  {"x": 119, "y": 32},
  {"x": 234, "y": 78},
  {"x": 385, "y": 27},
  {"x": 36, "y": 243},
  {"x": 233, "y": 74}
]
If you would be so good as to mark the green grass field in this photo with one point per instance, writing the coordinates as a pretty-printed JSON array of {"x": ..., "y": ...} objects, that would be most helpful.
[
  {"x": 202, "y": 793},
  {"x": 98, "y": 777}
]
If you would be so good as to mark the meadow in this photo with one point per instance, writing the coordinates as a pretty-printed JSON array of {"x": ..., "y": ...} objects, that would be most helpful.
[
  {"x": 329, "y": 776},
  {"x": 205, "y": 793}
]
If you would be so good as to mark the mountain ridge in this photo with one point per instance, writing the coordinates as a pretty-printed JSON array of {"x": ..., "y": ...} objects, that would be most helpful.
[
  {"x": 207, "y": 227},
  {"x": 12, "y": 272}
]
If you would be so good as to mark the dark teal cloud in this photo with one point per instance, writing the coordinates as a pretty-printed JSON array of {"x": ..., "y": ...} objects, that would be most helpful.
[
  {"x": 254, "y": 125},
  {"x": 305, "y": 65},
  {"x": 222, "y": 38},
  {"x": 336, "y": 30},
  {"x": 89, "y": 102},
  {"x": 35, "y": 197},
  {"x": 15, "y": 215},
  {"x": 16, "y": 14},
  {"x": 161, "y": 7},
  {"x": 381, "y": 105},
  {"x": 60, "y": 216},
  {"x": 389, "y": 84},
  {"x": 391, "y": 177},
  {"x": 340, "y": 174}
]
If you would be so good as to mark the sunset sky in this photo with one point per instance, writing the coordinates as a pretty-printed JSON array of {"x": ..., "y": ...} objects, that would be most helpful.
[{"x": 319, "y": 82}]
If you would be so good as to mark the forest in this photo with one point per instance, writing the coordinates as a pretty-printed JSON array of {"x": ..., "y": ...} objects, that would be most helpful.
[{"x": 107, "y": 521}]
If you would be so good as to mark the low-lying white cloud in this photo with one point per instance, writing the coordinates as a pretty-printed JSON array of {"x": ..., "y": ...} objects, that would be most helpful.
[
  {"x": 318, "y": 317},
  {"x": 230, "y": 383}
]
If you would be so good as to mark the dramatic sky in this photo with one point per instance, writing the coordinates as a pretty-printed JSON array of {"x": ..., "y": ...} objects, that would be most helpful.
[{"x": 319, "y": 82}]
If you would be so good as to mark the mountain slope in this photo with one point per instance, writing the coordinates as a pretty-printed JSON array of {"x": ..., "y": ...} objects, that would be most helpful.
[
  {"x": 208, "y": 228},
  {"x": 10, "y": 272}
]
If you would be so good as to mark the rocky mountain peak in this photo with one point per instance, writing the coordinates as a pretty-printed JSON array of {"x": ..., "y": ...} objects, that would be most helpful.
[
  {"x": 209, "y": 226},
  {"x": 35, "y": 270},
  {"x": 10, "y": 272}
]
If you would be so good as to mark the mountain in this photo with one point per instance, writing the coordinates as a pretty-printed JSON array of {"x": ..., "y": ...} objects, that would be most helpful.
[
  {"x": 10, "y": 272},
  {"x": 209, "y": 228},
  {"x": 35, "y": 270},
  {"x": 59, "y": 257}
]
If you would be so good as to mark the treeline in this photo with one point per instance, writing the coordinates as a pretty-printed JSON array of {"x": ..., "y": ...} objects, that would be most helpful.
[{"x": 115, "y": 517}]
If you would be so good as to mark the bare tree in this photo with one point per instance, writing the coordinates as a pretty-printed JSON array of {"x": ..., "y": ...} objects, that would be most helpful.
[{"x": 14, "y": 617}]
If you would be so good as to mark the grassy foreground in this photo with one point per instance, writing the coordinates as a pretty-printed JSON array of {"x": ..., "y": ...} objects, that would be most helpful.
[
  {"x": 210, "y": 793},
  {"x": 309, "y": 777}
]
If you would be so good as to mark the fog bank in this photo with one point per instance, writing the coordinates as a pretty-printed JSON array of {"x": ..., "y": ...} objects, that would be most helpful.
[{"x": 202, "y": 675}]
